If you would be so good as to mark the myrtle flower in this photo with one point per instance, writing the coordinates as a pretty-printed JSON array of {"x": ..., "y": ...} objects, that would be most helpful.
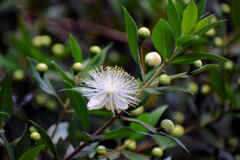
[{"x": 111, "y": 87}]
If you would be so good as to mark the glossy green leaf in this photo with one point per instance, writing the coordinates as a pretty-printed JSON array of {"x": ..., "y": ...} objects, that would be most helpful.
[
  {"x": 23, "y": 145},
  {"x": 189, "y": 58},
  {"x": 164, "y": 142},
  {"x": 134, "y": 156},
  {"x": 174, "y": 18},
  {"x": 201, "y": 6},
  {"x": 122, "y": 132},
  {"x": 163, "y": 39},
  {"x": 83, "y": 136},
  {"x": 9, "y": 149},
  {"x": 201, "y": 24},
  {"x": 36, "y": 76},
  {"x": 208, "y": 27},
  {"x": 32, "y": 153},
  {"x": 190, "y": 16},
  {"x": 47, "y": 140},
  {"x": 156, "y": 114},
  {"x": 79, "y": 105},
  {"x": 203, "y": 68},
  {"x": 132, "y": 35},
  {"x": 75, "y": 48},
  {"x": 167, "y": 89},
  {"x": 184, "y": 41},
  {"x": 64, "y": 76},
  {"x": 235, "y": 8},
  {"x": 6, "y": 99}
]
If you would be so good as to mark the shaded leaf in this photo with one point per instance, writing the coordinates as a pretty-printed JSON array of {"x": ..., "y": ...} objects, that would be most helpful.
[
  {"x": 134, "y": 156},
  {"x": 218, "y": 84},
  {"x": 156, "y": 114},
  {"x": 201, "y": 6},
  {"x": 163, "y": 39},
  {"x": 174, "y": 18},
  {"x": 235, "y": 8},
  {"x": 138, "y": 127},
  {"x": 83, "y": 136},
  {"x": 75, "y": 48},
  {"x": 201, "y": 24},
  {"x": 167, "y": 89},
  {"x": 184, "y": 41},
  {"x": 32, "y": 153},
  {"x": 208, "y": 27},
  {"x": 9, "y": 149},
  {"x": 231, "y": 95},
  {"x": 164, "y": 142},
  {"x": 203, "y": 68}
]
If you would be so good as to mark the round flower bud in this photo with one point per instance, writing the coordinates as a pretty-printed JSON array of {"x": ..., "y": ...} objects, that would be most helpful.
[
  {"x": 153, "y": 59},
  {"x": 37, "y": 41},
  {"x": 211, "y": 32},
  {"x": 113, "y": 57},
  {"x": 186, "y": 1},
  {"x": 35, "y": 136},
  {"x": 197, "y": 63},
  {"x": 58, "y": 49},
  {"x": 178, "y": 131},
  {"x": 164, "y": 79},
  {"x": 137, "y": 111},
  {"x": 157, "y": 152},
  {"x": 178, "y": 117},
  {"x": 95, "y": 50},
  {"x": 205, "y": 89},
  {"x": 77, "y": 67},
  {"x": 143, "y": 32},
  {"x": 239, "y": 81},
  {"x": 214, "y": 19},
  {"x": 233, "y": 141},
  {"x": 18, "y": 75},
  {"x": 101, "y": 149},
  {"x": 51, "y": 105},
  {"x": 167, "y": 125},
  {"x": 40, "y": 99},
  {"x": 228, "y": 66},
  {"x": 193, "y": 87},
  {"x": 42, "y": 67},
  {"x": 32, "y": 129},
  {"x": 218, "y": 41},
  {"x": 225, "y": 8},
  {"x": 130, "y": 144},
  {"x": 46, "y": 40}
]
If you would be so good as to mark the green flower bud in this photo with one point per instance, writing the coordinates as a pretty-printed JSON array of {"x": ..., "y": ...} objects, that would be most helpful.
[
  {"x": 228, "y": 66},
  {"x": 233, "y": 141},
  {"x": 41, "y": 99},
  {"x": 218, "y": 41},
  {"x": 205, "y": 89},
  {"x": 144, "y": 32},
  {"x": 157, "y": 152},
  {"x": 193, "y": 87},
  {"x": 18, "y": 75},
  {"x": 164, "y": 79},
  {"x": 137, "y": 111},
  {"x": 178, "y": 117},
  {"x": 35, "y": 136},
  {"x": 211, "y": 32},
  {"x": 77, "y": 67},
  {"x": 197, "y": 63},
  {"x": 101, "y": 149},
  {"x": 113, "y": 57},
  {"x": 37, "y": 41},
  {"x": 42, "y": 67},
  {"x": 178, "y": 131},
  {"x": 51, "y": 105},
  {"x": 32, "y": 129},
  {"x": 130, "y": 144},
  {"x": 239, "y": 81},
  {"x": 153, "y": 59},
  {"x": 95, "y": 50},
  {"x": 46, "y": 40},
  {"x": 225, "y": 8},
  {"x": 58, "y": 49},
  {"x": 167, "y": 125},
  {"x": 214, "y": 19},
  {"x": 186, "y": 1}
]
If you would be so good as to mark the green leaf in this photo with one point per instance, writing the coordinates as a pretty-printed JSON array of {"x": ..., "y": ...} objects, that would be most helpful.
[
  {"x": 203, "y": 68},
  {"x": 174, "y": 18},
  {"x": 217, "y": 83},
  {"x": 184, "y": 41},
  {"x": 208, "y": 27},
  {"x": 9, "y": 64},
  {"x": 201, "y": 6},
  {"x": 64, "y": 76},
  {"x": 190, "y": 16},
  {"x": 156, "y": 114},
  {"x": 167, "y": 89},
  {"x": 24, "y": 33},
  {"x": 163, "y": 39},
  {"x": 8, "y": 147},
  {"x": 83, "y": 136},
  {"x": 47, "y": 140},
  {"x": 191, "y": 57},
  {"x": 23, "y": 145},
  {"x": 79, "y": 105},
  {"x": 231, "y": 95},
  {"x": 122, "y": 132},
  {"x": 6, "y": 99},
  {"x": 132, "y": 34},
  {"x": 75, "y": 48},
  {"x": 32, "y": 153},
  {"x": 134, "y": 156},
  {"x": 235, "y": 8},
  {"x": 36, "y": 76},
  {"x": 164, "y": 142},
  {"x": 201, "y": 24}
]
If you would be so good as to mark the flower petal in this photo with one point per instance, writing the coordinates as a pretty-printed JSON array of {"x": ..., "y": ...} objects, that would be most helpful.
[{"x": 97, "y": 101}]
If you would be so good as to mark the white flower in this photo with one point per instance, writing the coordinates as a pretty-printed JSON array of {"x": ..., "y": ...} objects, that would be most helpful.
[{"x": 110, "y": 87}]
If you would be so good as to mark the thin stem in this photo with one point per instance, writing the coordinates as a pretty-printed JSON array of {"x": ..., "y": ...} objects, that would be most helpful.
[
  {"x": 178, "y": 75},
  {"x": 142, "y": 62}
]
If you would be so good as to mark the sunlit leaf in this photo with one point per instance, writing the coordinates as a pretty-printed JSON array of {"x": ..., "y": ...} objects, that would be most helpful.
[
  {"x": 201, "y": 6},
  {"x": 75, "y": 48},
  {"x": 174, "y": 18}
]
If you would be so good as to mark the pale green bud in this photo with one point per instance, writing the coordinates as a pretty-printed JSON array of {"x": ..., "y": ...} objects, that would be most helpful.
[
  {"x": 197, "y": 63},
  {"x": 164, "y": 79},
  {"x": 157, "y": 152},
  {"x": 46, "y": 40},
  {"x": 225, "y": 8},
  {"x": 167, "y": 125},
  {"x": 233, "y": 141},
  {"x": 144, "y": 32},
  {"x": 153, "y": 59},
  {"x": 32, "y": 129},
  {"x": 211, "y": 32},
  {"x": 193, "y": 87},
  {"x": 18, "y": 75},
  {"x": 101, "y": 149},
  {"x": 214, "y": 19},
  {"x": 35, "y": 136},
  {"x": 42, "y": 67},
  {"x": 131, "y": 144},
  {"x": 51, "y": 105},
  {"x": 58, "y": 49},
  {"x": 218, "y": 41},
  {"x": 178, "y": 131},
  {"x": 178, "y": 116},
  {"x": 186, "y": 1},
  {"x": 95, "y": 50},
  {"x": 228, "y": 66},
  {"x": 77, "y": 67},
  {"x": 205, "y": 89},
  {"x": 137, "y": 111},
  {"x": 37, "y": 41},
  {"x": 41, "y": 99}
]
